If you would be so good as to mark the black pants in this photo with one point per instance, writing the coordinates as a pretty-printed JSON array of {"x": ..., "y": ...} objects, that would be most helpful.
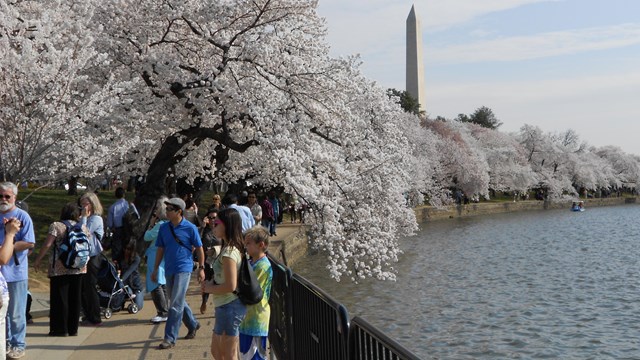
[
  {"x": 90, "y": 298},
  {"x": 161, "y": 300},
  {"x": 64, "y": 314},
  {"x": 118, "y": 244}
]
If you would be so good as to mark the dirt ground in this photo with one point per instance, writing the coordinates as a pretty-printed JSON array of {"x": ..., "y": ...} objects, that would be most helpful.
[{"x": 38, "y": 282}]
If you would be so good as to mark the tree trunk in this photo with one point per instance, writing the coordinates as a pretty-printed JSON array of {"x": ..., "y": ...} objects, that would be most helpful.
[
  {"x": 154, "y": 186},
  {"x": 73, "y": 186}
]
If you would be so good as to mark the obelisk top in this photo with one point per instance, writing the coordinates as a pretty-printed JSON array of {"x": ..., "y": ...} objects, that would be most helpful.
[{"x": 415, "y": 65}]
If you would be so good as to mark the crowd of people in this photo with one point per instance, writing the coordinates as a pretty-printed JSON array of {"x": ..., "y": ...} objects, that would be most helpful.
[{"x": 179, "y": 243}]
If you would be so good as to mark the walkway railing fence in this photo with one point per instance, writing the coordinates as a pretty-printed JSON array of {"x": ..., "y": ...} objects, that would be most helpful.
[{"x": 307, "y": 323}]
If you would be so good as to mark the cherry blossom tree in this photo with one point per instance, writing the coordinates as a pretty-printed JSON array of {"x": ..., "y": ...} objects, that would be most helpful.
[
  {"x": 463, "y": 164},
  {"x": 625, "y": 167},
  {"x": 233, "y": 90},
  {"x": 551, "y": 157},
  {"x": 506, "y": 158},
  {"x": 45, "y": 50}
]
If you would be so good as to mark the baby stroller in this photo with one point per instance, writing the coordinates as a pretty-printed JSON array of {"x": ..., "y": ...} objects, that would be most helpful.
[{"x": 112, "y": 291}]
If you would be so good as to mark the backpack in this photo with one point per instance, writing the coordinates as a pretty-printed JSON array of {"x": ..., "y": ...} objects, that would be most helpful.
[
  {"x": 249, "y": 290},
  {"x": 75, "y": 248}
]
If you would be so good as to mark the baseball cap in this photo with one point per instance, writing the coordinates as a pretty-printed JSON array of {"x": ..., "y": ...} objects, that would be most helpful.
[{"x": 177, "y": 202}]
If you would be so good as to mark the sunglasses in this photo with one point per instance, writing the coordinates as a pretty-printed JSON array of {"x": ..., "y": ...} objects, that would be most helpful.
[
  {"x": 171, "y": 208},
  {"x": 7, "y": 197}
]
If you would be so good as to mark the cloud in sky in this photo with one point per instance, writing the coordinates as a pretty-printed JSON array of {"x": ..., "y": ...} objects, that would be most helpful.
[
  {"x": 557, "y": 64},
  {"x": 540, "y": 45}
]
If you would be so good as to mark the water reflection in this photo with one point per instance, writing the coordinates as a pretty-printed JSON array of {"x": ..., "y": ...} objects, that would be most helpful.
[{"x": 548, "y": 284}]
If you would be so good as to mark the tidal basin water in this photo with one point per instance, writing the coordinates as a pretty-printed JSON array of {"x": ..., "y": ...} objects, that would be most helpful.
[{"x": 532, "y": 285}]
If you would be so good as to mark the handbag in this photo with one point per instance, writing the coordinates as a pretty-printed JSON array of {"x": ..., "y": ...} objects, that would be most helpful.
[{"x": 248, "y": 289}]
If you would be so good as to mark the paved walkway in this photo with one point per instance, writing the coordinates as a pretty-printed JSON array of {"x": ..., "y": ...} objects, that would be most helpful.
[{"x": 124, "y": 336}]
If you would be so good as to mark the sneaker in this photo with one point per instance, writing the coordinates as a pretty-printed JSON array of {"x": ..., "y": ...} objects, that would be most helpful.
[
  {"x": 158, "y": 319},
  {"x": 15, "y": 353},
  {"x": 165, "y": 345},
  {"x": 192, "y": 333}
]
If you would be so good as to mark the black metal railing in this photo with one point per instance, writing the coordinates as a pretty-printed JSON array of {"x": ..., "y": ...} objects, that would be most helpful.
[
  {"x": 307, "y": 323},
  {"x": 368, "y": 343},
  {"x": 280, "y": 327}
]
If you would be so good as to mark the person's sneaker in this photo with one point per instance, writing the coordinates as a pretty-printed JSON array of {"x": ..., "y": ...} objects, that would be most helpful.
[
  {"x": 166, "y": 345},
  {"x": 158, "y": 319},
  {"x": 15, "y": 353},
  {"x": 192, "y": 333}
]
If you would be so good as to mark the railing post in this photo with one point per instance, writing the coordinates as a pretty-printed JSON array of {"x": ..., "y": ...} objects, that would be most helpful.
[{"x": 280, "y": 323}]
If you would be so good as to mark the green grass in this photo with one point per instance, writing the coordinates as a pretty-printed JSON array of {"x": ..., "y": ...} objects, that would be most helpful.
[
  {"x": 44, "y": 209},
  {"x": 45, "y": 206}
]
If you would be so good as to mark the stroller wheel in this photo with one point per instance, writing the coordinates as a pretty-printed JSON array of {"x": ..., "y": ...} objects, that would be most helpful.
[
  {"x": 132, "y": 308},
  {"x": 107, "y": 313}
]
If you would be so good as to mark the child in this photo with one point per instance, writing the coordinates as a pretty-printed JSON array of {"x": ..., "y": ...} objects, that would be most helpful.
[{"x": 255, "y": 326}]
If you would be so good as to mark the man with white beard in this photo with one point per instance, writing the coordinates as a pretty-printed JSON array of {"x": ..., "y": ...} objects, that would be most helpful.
[{"x": 16, "y": 272}]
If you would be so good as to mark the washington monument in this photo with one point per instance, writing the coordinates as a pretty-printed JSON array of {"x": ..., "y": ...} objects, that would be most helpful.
[{"x": 415, "y": 65}]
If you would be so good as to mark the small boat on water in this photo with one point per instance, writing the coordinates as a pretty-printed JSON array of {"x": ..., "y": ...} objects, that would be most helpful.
[{"x": 577, "y": 206}]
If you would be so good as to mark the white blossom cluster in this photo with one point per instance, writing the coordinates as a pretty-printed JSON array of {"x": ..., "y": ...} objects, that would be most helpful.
[{"x": 234, "y": 89}]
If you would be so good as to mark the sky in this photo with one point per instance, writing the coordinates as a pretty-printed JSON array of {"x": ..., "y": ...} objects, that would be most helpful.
[{"x": 555, "y": 64}]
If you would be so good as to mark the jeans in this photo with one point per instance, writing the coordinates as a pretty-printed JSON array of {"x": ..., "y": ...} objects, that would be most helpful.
[
  {"x": 177, "y": 285},
  {"x": 17, "y": 314},
  {"x": 3, "y": 322},
  {"x": 228, "y": 318},
  {"x": 272, "y": 227}
]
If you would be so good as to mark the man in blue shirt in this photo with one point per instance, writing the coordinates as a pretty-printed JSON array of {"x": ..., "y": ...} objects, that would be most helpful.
[
  {"x": 177, "y": 240},
  {"x": 231, "y": 201},
  {"x": 115, "y": 222},
  {"x": 16, "y": 272}
]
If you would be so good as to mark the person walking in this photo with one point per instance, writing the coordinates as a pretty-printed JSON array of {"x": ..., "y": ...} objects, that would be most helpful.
[
  {"x": 91, "y": 217},
  {"x": 267, "y": 213},
  {"x": 177, "y": 239},
  {"x": 275, "y": 204},
  {"x": 64, "y": 283},
  {"x": 157, "y": 288},
  {"x": 16, "y": 271},
  {"x": 229, "y": 310}
]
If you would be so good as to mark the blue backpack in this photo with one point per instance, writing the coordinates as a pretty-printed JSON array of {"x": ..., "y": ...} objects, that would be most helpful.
[{"x": 75, "y": 248}]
